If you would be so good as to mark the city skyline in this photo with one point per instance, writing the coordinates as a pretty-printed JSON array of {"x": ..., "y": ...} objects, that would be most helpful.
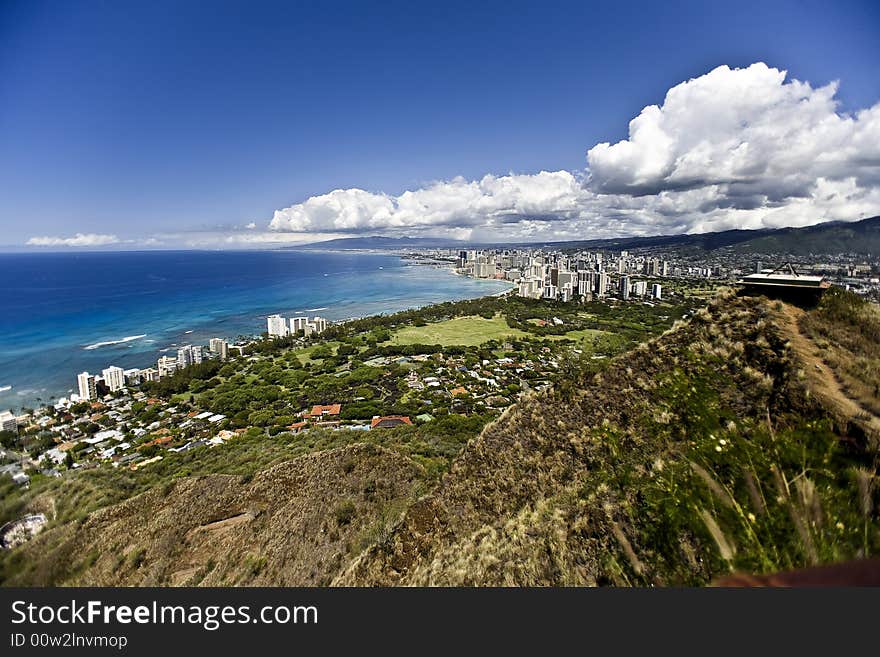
[{"x": 127, "y": 129}]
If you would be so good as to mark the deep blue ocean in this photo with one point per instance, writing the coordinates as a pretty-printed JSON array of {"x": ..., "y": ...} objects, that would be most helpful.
[{"x": 68, "y": 312}]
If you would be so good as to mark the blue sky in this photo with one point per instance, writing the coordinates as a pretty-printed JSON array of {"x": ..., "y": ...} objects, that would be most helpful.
[{"x": 181, "y": 123}]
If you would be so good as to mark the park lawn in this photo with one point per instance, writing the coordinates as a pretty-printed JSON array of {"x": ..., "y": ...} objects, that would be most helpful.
[
  {"x": 582, "y": 335},
  {"x": 305, "y": 354},
  {"x": 465, "y": 331}
]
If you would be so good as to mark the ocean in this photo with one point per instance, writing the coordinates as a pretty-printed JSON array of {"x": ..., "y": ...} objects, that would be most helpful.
[{"x": 65, "y": 313}]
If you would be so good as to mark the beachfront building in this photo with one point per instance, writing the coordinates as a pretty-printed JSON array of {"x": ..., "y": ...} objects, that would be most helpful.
[
  {"x": 298, "y": 324},
  {"x": 189, "y": 355},
  {"x": 133, "y": 376},
  {"x": 149, "y": 374},
  {"x": 530, "y": 288},
  {"x": 220, "y": 347},
  {"x": 166, "y": 366},
  {"x": 307, "y": 326},
  {"x": 87, "y": 388},
  {"x": 8, "y": 422},
  {"x": 277, "y": 326},
  {"x": 114, "y": 378}
]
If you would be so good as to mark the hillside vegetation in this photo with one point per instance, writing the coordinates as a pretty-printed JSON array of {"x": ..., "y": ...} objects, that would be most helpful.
[
  {"x": 710, "y": 449},
  {"x": 296, "y": 523},
  {"x": 700, "y": 453}
]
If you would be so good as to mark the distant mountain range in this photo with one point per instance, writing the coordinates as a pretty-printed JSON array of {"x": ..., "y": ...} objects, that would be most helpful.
[
  {"x": 380, "y": 242},
  {"x": 862, "y": 237}
]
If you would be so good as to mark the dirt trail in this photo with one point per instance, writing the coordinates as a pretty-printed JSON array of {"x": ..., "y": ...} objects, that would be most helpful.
[{"x": 821, "y": 377}]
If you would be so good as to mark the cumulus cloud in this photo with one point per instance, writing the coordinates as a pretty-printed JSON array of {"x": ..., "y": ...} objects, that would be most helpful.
[
  {"x": 80, "y": 239},
  {"x": 734, "y": 148}
]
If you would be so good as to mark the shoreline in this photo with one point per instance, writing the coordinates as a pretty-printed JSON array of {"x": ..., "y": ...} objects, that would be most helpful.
[{"x": 26, "y": 395}]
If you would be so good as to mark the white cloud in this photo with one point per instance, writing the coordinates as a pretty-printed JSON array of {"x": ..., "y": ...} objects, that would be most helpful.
[
  {"x": 80, "y": 239},
  {"x": 251, "y": 225},
  {"x": 734, "y": 148}
]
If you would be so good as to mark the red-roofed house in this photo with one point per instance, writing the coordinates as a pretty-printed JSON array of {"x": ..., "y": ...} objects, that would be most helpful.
[
  {"x": 320, "y": 412},
  {"x": 388, "y": 421}
]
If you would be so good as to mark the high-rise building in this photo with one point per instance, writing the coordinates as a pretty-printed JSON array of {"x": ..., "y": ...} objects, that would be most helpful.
[
  {"x": 320, "y": 324},
  {"x": 8, "y": 422},
  {"x": 277, "y": 326},
  {"x": 184, "y": 357},
  {"x": 166, "y": 366},
  {"x": 601, "y": 283},
  {"x": 86, "y": 384},
  {"x": 623, "y": 287},
  {"x": 567, "y": 279},
  {"x": 189, "y": 355},
  {"x": 484, "y": 270},
  {"x": 220, "y": 347},
  {"x": 656, "y": 291},
  {"x": 298, "y": 324},
  {"x": 114, "y": 378}
]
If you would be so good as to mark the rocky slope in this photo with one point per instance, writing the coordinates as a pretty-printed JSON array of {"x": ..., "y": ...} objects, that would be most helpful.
[{"x": 297, "y": 523}]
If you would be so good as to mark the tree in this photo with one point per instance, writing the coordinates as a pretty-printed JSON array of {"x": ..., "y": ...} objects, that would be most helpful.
[{"x": 8, "y": 439}]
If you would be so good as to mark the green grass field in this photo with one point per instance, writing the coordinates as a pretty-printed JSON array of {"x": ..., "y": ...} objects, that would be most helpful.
[
  {"x": 466, "y": 331},
  {"x": 583, "y": 335}
]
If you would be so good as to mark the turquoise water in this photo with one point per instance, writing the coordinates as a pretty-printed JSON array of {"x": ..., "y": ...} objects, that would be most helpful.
[{"x": 65, "y": 312}]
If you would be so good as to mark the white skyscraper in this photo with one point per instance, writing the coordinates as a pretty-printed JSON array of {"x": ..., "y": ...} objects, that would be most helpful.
[
  {"x": 601, "y": 284},
  {"x": 86, "y": 383},
  {"x": 220, "y": 347},
  {"x": 277, "y": 326},
  {"x": 298, "y": 324},
  {"x": 189, "y": 355},
  {"x": 656, "y": 291},
  {"x": 114, "y": 378},
  {"x": 184, "y": 357}
]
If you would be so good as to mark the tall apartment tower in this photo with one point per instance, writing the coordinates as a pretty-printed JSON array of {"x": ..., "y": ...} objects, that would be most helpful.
[
  {"x": 277, "y": 326},
  {"x": 623, "y": 287},
  {"x": 220, "y": 347},
  {"x": 87, "y": 389},
  {"x": 601, "y": 283},
  {"x": 166, "y": 366},
  {"x": 298, "y": 324},
  {"x": 114, "y": 378}
]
